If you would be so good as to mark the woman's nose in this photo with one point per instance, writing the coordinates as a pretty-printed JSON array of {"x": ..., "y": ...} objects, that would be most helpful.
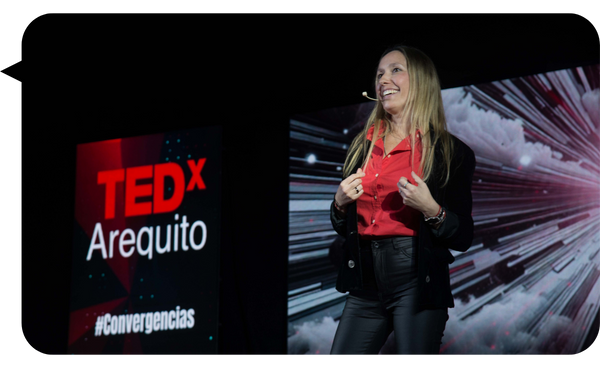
[{"x": 384, "y": 79}]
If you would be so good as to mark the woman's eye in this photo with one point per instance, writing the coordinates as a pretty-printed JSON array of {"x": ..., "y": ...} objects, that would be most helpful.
[
  {"x": 379, "y": 76},
  {"x": 396, "y": 70}
]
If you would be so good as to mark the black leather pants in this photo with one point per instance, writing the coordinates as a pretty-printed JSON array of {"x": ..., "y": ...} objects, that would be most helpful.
[{"x": 389, "y": 303}]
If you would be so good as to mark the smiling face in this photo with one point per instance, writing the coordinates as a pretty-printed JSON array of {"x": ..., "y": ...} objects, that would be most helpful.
[{"x": 392, "y": 82}]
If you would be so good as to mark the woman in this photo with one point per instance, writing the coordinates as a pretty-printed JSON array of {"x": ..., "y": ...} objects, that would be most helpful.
[{"x": 405, "y": 200}]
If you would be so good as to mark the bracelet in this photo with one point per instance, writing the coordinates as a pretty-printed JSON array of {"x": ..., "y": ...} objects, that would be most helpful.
[
  {"x": 432, "y": 217},
  {"x": 337, "y": 206},
  {"x": 437, "y": 219},
  {"x": 443, "y": 217}
]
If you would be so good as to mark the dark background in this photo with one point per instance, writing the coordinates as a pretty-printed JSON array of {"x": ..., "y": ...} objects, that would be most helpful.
[{"x": 95, "y": 77}]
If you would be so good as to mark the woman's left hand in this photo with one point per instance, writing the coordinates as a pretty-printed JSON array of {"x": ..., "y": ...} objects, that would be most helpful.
[{"x": 418, "y": 196}]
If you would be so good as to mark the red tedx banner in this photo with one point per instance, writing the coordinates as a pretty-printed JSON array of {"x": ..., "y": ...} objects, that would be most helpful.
[{"x": 146, "y": 240}]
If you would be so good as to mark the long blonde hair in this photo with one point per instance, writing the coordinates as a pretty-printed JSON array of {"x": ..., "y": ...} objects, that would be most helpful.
[{"x": 424, "y": 111}]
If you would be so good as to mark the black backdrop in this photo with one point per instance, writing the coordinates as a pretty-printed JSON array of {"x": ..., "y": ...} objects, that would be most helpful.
[{"x": 94, "y": 77}]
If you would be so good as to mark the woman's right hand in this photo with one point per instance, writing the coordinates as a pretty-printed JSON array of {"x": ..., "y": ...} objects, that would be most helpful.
[{"x": 350, "y": 189}]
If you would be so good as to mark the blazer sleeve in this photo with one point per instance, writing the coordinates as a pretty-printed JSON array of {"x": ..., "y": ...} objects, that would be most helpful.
[
  {"x": 457, "y": 230},
  {"x": 338, "y": 223}
]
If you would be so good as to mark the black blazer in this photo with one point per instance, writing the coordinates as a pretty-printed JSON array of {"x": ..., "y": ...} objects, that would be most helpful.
[{"x": 433, "y": 256}]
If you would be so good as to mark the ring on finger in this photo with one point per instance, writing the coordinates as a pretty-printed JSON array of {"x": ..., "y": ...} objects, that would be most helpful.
[
  {"x": 405, "y": 184},
  {"x": 356, "y": 188}
]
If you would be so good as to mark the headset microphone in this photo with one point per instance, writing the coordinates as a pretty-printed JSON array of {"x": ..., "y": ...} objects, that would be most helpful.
[{"x": 365, "y": 94}]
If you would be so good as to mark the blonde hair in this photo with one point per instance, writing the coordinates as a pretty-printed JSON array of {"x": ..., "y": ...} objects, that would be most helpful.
[{"x": 424, "y": 111}]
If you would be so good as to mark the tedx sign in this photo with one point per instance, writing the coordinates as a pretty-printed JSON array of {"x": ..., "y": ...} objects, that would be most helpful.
[{"x": 146, "y": 244}]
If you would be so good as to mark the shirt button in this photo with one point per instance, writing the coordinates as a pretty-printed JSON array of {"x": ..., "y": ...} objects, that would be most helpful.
[
  {"x": 373, "y": 221},
  {"x": 375, "y": 197},
  {"x": 351, "y": 263},
  {"x": 376, "y": 175}
]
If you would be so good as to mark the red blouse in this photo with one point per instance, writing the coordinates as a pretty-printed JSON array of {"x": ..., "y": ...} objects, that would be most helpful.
[{"x": 380, "y": 210}]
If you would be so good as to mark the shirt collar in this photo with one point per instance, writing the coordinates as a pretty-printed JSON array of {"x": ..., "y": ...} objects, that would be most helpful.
[
  {"x": 401, "y": 146},
  {"x": 372, "y": 129}
]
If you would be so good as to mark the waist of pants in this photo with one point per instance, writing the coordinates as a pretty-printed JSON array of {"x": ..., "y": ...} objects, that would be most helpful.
[
  {"x": 394, "y": 242},
  {"x": 388, "y": 266}
]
